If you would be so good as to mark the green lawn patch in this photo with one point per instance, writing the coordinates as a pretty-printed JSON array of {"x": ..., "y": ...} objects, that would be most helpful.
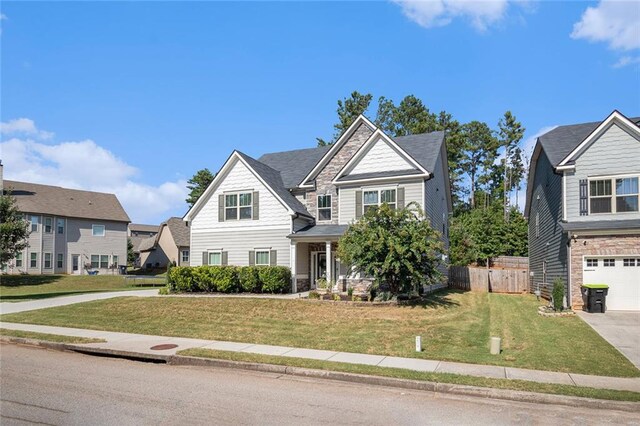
[
  {"x": 454, "y": 325},
  {"x": 519, "y": 385},
  {"x": 18, "y": 288},
  {"x": 48, "y": 337}
]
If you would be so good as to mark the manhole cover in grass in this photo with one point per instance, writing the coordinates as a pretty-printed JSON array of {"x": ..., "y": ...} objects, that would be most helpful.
[{"x": 163, "y": 347}]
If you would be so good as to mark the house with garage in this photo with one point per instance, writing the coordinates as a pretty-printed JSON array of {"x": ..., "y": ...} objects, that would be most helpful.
[
  {"x": 290, "y": 208},
  {"x": 583, "y": 211},
  {"x": 169, "y": 245},
  {"x": 71, "y": 231}
]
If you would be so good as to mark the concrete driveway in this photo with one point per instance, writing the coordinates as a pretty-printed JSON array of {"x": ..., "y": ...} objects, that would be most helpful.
[{"x": 620, "y": 328}]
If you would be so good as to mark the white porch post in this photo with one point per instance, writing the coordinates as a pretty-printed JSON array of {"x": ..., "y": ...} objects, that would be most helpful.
[
  {"x": 294, "y": 261},
  {"x": 329, "y": 264}
]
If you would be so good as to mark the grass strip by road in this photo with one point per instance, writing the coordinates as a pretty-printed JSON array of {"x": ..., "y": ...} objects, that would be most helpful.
[
  {"x": 19, "y": 288},
  {"x": 48, "y": 337},
  {"x": 398, "y": 373},
  {"x": 455, "y": 326}
]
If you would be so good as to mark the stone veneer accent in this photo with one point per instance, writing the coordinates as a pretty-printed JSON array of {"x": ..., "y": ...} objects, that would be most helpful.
[
  {"x": 331, "y": 169},
  {"x": 600, "y": 245}
]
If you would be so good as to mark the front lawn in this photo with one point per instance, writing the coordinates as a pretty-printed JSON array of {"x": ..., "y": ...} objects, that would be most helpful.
[
  {"x": 18, "y": 288},
  {"x": 454, "y": 326}
]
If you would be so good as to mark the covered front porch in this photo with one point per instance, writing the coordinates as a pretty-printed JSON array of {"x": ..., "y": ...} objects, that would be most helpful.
[{"x": 313, "y": 257}]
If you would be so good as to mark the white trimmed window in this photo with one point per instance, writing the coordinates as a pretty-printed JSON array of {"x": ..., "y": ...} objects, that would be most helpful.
[
  {"x": 60, "y": 261},
  {"x": 185, "y": 256},
  {"x": 613, "y": 195},
  {"x": 238, "y": 206},
  {"x": 215, "y": 258},
  {"x": 375, "y": 198},
  {"x": 263, "y": 258},
  {"x": 47, "y": 261},
  {"x": 114, "y": 261},
  {"x": 33, "y": 261},
  {"x": 324, "y": 207},
  {"x": 97, "y": 230},
  {"x": 48, "y": 225},
  {"x": 592, "y": 263},
  {"x": 35, "y": 221},
  {"x": 609, "y": 262},
  {"x": 19, "y": 260},
  {"x": 60, "y": 225},
  {"x": 629, "y": 262},
  {"x": 104, "y": 261},
  {"x": 95, "y": 261}
]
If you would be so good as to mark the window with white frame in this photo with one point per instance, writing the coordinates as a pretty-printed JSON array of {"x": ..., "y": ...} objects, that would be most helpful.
[
  {"x": 375, "y": 198},
  {"x": 33, "y": 261},
  {"x": 35, "y": 220},
  {"x": 19, "y": 260},
  {"x": 60, "y": 225},
  {"x": 115, "y": 261},
  {"x": 592, "y": 263},
  {"x": 97, "y": 230},
  {"x": 95, "y": 261},
  {"x": 60, "y": 261},
  {"x": 238, "y": 206},
  {"x": 262, "y": 257},
  {"x": 104, "y": 261},
  {"x": 609, "y": 262},
  {"x": 48, "y": 225},
  {"x": 629, "y": 262},
  {"x": 613, "y": 195},
  {"x": 47, "y": 261},
  {"x": 185, "y": 256},
  {"x": 324, "y": 207},
  {"x": 215, "y": 258}
]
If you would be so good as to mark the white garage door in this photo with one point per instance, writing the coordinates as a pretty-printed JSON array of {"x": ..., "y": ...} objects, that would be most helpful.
[{"x": 621, "y": 274}]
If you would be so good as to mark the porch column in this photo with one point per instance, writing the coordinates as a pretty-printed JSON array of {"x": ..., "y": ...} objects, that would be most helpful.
[
  {"x": 329, "y": 264},
  {"x": 293, "y": 262}
]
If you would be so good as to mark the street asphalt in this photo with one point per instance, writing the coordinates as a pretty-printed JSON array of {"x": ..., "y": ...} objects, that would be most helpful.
[{"x": 48, "y": 387}]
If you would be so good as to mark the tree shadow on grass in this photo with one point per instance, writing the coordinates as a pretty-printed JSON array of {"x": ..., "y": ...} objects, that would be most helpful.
[
  {"x": 438, "y": 299},
  {"x": 27, "y": 280}
]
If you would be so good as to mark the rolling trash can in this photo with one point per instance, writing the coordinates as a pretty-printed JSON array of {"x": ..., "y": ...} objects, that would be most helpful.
[{"x": 594, "y": 297}]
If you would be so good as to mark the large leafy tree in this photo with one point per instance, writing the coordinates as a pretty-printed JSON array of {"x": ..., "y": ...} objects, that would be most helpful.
[
  {"x": 479, "y": 151},
  {"x": 14, "y": 230},
  {"x": 348, "y": 110},
  {"x": 396, "y": 247},
  {"x": 197, "y": 185},
  {"x": 410, "y": 117}
]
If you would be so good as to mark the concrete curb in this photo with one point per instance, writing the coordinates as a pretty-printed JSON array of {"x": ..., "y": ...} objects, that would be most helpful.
[{"x": 442, "y": 388}]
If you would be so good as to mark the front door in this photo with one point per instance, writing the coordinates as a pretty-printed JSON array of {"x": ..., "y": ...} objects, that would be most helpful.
[
  {"x": 321, "y": 266},
  {"x": 75, "y": 264}
]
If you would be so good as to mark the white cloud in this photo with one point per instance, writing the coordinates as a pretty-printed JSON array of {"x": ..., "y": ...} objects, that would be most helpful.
[
  {"x": 23, "y": 126},
  {"x": 3, "y": 17},
  {"x": 612, "y": 21},
  {"x": 87, "y": 165},
  {"x": 627, "y": 60},
  {"x": 438, "y": 13}
]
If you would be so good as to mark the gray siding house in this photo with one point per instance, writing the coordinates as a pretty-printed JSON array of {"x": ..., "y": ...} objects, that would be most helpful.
[
  {"x": 72, "y": 231},
  {"x": 583, "y": 210},
  {"x": 170, "y": 244},
  {"x": 290, "y": 208}
]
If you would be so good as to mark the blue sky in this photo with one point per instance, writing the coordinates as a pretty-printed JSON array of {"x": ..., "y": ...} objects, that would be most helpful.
[{"x": 134, "y": 97}]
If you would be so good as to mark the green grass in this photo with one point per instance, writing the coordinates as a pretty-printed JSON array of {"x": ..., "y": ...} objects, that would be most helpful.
[
  {"x": 518, "y": 385},
  {"x": 18, "y": 288},
  {"x": 454, "y": 326},
  {"x": 48, "y": 337}
]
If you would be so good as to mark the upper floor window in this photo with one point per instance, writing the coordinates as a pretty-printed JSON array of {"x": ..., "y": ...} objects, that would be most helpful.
[
  {"x": 97, "y": 230},
  {"x": 35, "y": 220},
  {"x": 613, "y": 195},
  {"x": 48, "y": 225},
  {"x": 238, "y": 206},
  {"x": 324, "y": 207},
  {"x": 373, "y": 199},
  {"x": 60, "y": 225}
]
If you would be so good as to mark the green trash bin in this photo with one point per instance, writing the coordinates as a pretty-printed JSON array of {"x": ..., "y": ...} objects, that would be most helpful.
[{"x": 594, "y": 297}]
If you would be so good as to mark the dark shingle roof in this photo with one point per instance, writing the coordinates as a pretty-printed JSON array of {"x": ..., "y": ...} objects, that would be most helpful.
[
  {"x": 58, "y": 201},
  {"x": 148, "y": 243},
  {"x": 138, "y": 227},
  {"x": 601, "y": 225},
  {"x": 274, "y": 180},
  {"x": 320, "y": 231},
  {"x": 424, "y": 148},
  {"x": 179, "y": 231},
  {"x": 559, "y": 142}
]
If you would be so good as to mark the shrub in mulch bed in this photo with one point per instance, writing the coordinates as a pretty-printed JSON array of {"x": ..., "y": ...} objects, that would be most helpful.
[{"x": 548, "y": 311}]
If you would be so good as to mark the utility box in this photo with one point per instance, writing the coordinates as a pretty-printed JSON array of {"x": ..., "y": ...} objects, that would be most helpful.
[{"x": 594, "y": 297}]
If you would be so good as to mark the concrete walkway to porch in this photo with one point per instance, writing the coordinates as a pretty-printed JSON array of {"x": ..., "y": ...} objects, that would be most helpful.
[{"x": 139, "y": 345}]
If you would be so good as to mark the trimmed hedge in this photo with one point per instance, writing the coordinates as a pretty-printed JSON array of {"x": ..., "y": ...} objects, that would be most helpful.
[{"x": 230, "y": 279}]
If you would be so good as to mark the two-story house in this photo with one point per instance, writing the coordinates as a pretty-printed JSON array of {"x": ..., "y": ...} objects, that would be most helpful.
[
  {"x": 137, "y": 233},
  {"x": 582, "y": 205},
  {"x": 71, "y": 231},
  {"x": 290, "y": 208},
  {"x": 169, "y": 245}
]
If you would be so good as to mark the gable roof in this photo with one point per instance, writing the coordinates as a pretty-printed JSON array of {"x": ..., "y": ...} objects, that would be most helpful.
[
  {"x": 138, "y": 227},
  {"x": 58, "y": 201},
  {"x": 179, "y": 231},
  {"x": 147, "y": 244}
]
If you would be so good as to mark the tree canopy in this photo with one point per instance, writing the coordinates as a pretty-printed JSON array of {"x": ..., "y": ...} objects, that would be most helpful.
[
  {"x": 197, "y": 185},
  {"x": 14, "y": 230}
]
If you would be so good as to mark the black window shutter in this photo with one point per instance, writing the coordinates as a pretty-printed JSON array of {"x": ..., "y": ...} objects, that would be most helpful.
[
  {"x": 358, "y": 204},
  {"x": 273, "y": 258},
  {"x": 221, "y": 208},
  {"x": 584, "y": 198},
  {"x": 205, "y": 258},
  {"x": 256, "y": 205}
]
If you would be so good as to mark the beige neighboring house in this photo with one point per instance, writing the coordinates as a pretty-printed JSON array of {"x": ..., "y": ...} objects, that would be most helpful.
[
  {"x": 72, "y": 231},
  {"x": 137, "y": 233},
  {"x": 171, "y": 244}
]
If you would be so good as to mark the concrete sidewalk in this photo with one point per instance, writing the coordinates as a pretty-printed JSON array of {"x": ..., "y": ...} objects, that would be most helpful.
[
  {"x": 32, "y": 305},
  {"x": 141, "y": 344}
]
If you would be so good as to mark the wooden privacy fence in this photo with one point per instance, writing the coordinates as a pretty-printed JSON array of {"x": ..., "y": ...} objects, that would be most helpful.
[{"x": 512, "y": 280}]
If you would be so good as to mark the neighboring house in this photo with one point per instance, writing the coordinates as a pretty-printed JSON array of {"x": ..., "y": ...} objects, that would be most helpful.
[
  {"x": 171, "y": 244},
  {"x": 72, "y": 231},
  {"x": 137, "y": 233},
  {"x": 290, "y": 208},
  {"x": 582, "y": 205}
]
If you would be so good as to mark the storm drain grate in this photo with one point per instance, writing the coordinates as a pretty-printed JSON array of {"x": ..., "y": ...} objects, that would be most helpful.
[{"x": 163, "y": 347}]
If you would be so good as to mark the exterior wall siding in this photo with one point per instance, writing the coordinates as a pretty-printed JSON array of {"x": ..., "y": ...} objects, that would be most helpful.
[
  {"x": 381, "y": 158},
  {"x": 616, "y": 152},
  {"x": 238, "y": 243},
  {"x": 550, "y": 244}
]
